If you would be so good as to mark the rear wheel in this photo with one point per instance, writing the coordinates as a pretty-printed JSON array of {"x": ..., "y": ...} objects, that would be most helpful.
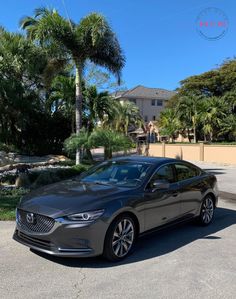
[
  {"x": 207, "y": 211},
  {"x": 120, "y": 238}
]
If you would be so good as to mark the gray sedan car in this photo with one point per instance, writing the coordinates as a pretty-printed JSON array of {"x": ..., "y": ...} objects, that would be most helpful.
[{"x": 109, "y": 206}]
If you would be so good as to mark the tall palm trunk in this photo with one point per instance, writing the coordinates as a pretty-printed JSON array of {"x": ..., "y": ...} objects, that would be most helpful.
[
  {"x": 194, "y": 134},
  {"x": 194, "y": 130},
  {"x": 78, "y": 106}
]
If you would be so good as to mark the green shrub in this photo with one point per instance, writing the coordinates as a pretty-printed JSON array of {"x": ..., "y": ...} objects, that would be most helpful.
[
  {"x": 66, "y": 163},
  {"x": 8, "y": 178},
  {"x": 8, "y": 148}
]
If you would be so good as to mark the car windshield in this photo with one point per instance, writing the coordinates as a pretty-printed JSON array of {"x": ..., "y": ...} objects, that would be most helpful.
[{"x": 120, "y": 173}]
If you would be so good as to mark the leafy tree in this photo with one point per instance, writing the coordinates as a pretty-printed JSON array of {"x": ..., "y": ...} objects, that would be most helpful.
[
  {"x": 98, "y": 107},
  {"x": 80, "y": 141},
  {"x": 111, "y": 141},
  {"x": 228, "y": 127},
  {"x": 91, "y": 39},
  {"x": 126, "y": 115},
  {"x": 25, "y": 121},
  {"x": 99, "y": 77},
  {"x": 169, "y": 123},
  {"x": 188, "y": 111},
  {"x": 207, "y": 102},
  {"x": 61, "y": 97},
  {"x": 213, "y": 116}
]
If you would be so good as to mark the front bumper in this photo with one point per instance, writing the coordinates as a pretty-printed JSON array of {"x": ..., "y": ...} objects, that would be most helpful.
[{"x": 66, "y": 239}]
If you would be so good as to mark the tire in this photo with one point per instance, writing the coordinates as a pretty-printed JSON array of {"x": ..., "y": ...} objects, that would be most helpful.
[
  {"x": 207, "y": 211},
  {"x": 120, "y": 238}
]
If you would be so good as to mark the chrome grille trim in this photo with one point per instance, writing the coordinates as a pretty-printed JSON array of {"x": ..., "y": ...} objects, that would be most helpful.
[{"x": 42, "y": 225}]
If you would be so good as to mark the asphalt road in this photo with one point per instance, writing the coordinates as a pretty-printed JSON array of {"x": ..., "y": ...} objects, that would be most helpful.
[{"x": 185, "y": 262}]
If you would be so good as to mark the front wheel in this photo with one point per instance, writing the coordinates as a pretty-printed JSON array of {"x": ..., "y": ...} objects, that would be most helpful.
[
  {"x": 120, "y": 238},
  {"x": 207, "y": 211}
]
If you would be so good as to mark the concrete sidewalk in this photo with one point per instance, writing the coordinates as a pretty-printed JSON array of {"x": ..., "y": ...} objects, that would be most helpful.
[{"x": 226, "y": 176}]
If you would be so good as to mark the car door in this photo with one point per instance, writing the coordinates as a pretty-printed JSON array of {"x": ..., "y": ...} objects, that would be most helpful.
[
  {"x": 190, "y": 184},
  {"x": 162, "y": 205}
]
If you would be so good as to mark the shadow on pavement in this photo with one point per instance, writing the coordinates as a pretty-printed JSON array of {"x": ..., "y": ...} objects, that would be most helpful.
[{"x": 159, "y": 243}]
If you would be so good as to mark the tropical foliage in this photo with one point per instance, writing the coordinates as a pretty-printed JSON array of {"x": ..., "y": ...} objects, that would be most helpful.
[
  {"x": 204, "y": 104},
  {"x": 92, "y": 39},
  {"x": 107, "y": 138},
  {"x": 46, "y": 85},
  {"x": 110, "y": 140}
]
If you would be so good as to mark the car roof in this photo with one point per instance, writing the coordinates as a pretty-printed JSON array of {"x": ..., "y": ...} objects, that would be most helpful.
[{"x": 143, "y": 159}]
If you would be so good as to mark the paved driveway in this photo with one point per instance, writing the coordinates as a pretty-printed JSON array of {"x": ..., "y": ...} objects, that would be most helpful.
[{"x": 185, "y": 262}]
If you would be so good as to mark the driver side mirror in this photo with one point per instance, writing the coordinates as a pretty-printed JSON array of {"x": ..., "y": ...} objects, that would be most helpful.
[{"x": 160, "y": 184}]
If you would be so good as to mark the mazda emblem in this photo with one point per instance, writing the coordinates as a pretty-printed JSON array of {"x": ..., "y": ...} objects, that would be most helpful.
[{"x": 30, "y": 218}]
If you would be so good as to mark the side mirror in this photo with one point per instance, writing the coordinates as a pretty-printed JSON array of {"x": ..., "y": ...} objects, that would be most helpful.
[{"x": 160, "y": 184}]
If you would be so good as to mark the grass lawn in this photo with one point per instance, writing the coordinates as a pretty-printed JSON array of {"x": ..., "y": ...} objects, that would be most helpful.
[{"x": 8, "y": 202}]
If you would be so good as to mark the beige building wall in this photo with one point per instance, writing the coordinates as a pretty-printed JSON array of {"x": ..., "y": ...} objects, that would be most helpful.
[
  {"x": 196, "y": 152},
  {"x": 220, "y": 153},
  {"x": 146, "y": 108}
]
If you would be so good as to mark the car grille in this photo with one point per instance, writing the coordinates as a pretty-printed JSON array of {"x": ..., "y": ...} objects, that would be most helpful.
[{"x": 40, "y": 224}]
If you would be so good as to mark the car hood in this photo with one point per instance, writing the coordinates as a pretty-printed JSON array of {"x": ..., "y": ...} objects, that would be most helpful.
[{"x": 69, "y": 197}]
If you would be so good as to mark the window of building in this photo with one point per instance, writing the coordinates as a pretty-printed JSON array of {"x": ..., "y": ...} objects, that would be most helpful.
[
  {"x": 133, "y": 100},
  {"x": 145, "y": 118},
  {"x": 159, "y": 102},
  {"x": 154, "y": 117},
  {"x": 153, "y": 102}
]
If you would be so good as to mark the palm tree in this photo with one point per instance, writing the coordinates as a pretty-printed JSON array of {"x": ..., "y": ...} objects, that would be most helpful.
[
  {"x": 98, "y": 106},
  {"x": 188, "y": 112},
  {"x": 111, "y": 141},
  {"x": 79, "y": 141},
  {"x": 127, "y": 114},
  {"x": 228, "y": 127},
  {"x": 62, "y": 97},
  {"x": 92, "y": 39},
  {"x": 213, "y": 116},
  {"x": 168, "y": 123}
]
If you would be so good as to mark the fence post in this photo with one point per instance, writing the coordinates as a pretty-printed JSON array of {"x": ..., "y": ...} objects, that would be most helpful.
[
  {"x": 163, "y": 149},
  {"x": 201, "y": 147}
]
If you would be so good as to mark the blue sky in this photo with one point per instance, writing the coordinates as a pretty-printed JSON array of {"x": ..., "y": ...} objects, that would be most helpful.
[{"x": 159, "y": 38}]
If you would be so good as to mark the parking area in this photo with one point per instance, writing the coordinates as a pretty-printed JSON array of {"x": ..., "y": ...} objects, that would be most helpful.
[{"x": 185, "y": 262}]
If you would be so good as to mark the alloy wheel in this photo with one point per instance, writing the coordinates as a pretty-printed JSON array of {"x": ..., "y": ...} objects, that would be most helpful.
[
  {"x": 123, "y": 237},
  {"x": 207, "y": 210}
]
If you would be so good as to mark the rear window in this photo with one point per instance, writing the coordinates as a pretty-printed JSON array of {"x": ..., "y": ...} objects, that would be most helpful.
[{"x": 185, "y": 172}]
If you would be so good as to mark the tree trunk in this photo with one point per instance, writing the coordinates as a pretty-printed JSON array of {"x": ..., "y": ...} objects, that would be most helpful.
[
  {"x": 73, "y": 124},
  {"x": 78, "y": 106},
  {"x": 107, "y": 153},
  {"x": 194, "y": 134},
  {"x": 89, "y": 155}
]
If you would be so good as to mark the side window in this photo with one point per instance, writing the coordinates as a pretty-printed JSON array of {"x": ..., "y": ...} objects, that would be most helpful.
[
  {"x": 185, "y": 172},
  {"x": 164, "y": 173}
]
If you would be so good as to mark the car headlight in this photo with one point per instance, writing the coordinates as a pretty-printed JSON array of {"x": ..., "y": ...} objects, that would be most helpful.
[{"x": 86, "y": 216}]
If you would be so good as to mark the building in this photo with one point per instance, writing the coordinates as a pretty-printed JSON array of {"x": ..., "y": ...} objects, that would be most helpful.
[{"x": 151, "y": 101}]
